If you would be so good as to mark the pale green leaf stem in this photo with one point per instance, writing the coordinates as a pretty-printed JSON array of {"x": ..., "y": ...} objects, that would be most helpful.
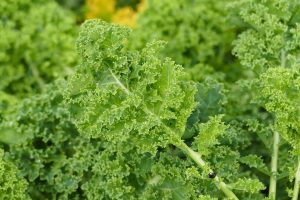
[{"x": 274, "y": 162}]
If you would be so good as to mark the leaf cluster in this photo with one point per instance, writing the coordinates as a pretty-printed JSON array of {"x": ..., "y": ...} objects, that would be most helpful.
[{"x": 178, "y": 108}]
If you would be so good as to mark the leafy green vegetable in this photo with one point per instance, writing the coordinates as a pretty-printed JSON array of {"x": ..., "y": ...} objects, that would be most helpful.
[
  {"x": 196, "y": 31},
  {"x": 36, "y": 45},
  {"x": 132, "y": 96},
  {"x": 270, "y": 47},
  {"x": 50, "y": 153},
  {"x": 131, "y": 123},
  {"x": 136, "y": 100},
  {"x": 11, "y": 185}
]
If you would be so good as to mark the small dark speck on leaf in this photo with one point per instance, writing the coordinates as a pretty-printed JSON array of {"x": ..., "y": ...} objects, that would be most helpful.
[{"x": 212, "y": 174}]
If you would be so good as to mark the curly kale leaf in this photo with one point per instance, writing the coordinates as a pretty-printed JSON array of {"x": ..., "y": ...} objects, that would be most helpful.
[
  {"x": 46, "y": 146},
  {"x": 271, "y": 32},
  {"x": 12, "y": 186},
  {"x": 36, "y": 45},
  {"x": 127, "y": 96}
]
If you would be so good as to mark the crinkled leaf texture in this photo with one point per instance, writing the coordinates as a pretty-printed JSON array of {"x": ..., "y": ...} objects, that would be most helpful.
[
  {"x": 278, "y": 90},
  {"x": 137, "y": 105},
  {"x": 209, "y": 133},
  {"x": 59, "y": 163},
  {"x": 249, "y": 185},
  {"x": 270, "y": 47},
  {"x": 36, "y": 44},
  {"x": 46, "y": 147},
  {"x": 196, "y": 31},
  {"x": 127, "y": 97},
  {"x": 12, "y": 186},
  {"x": 271, "y": 32}
]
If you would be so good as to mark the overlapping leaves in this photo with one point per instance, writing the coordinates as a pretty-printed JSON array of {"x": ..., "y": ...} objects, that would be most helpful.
[{"x": 127, "y": 96}]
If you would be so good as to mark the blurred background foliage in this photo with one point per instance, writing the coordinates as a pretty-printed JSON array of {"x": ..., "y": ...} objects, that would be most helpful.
[{"x": 36, "y": 47}]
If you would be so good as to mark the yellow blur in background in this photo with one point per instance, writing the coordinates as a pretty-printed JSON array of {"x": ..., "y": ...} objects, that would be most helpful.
[{"x": 107, "y": 10}]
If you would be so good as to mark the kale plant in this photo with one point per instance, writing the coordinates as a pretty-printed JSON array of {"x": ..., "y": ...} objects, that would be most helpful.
[
  {"x": 36, "y": 45},
  {"x": 201, "y": 101}
]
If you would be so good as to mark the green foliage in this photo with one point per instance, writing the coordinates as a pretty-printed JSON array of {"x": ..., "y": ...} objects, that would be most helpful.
[
  {"x": 249, "y": 185},
  {"x": 209, "y": 133},
  {"x": 139, "y": 103},
  {"x": 76, "y": 6},
  {"x": 270, "y": 47},
  {"x": 131, "y": 123},
  {"x": 134, "y": 97},
  {"x": 196, "y": 31},
  {"x": 280, "y": 94},
  {"x": 210, "y": 100},
  {"x": 270, "y": 34},
  {"x": 36, "y": 45},
  {"x": 50, "y": 153},
  {"x": 11, "y": 185},
  {"x": 255, "y": 161}
]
